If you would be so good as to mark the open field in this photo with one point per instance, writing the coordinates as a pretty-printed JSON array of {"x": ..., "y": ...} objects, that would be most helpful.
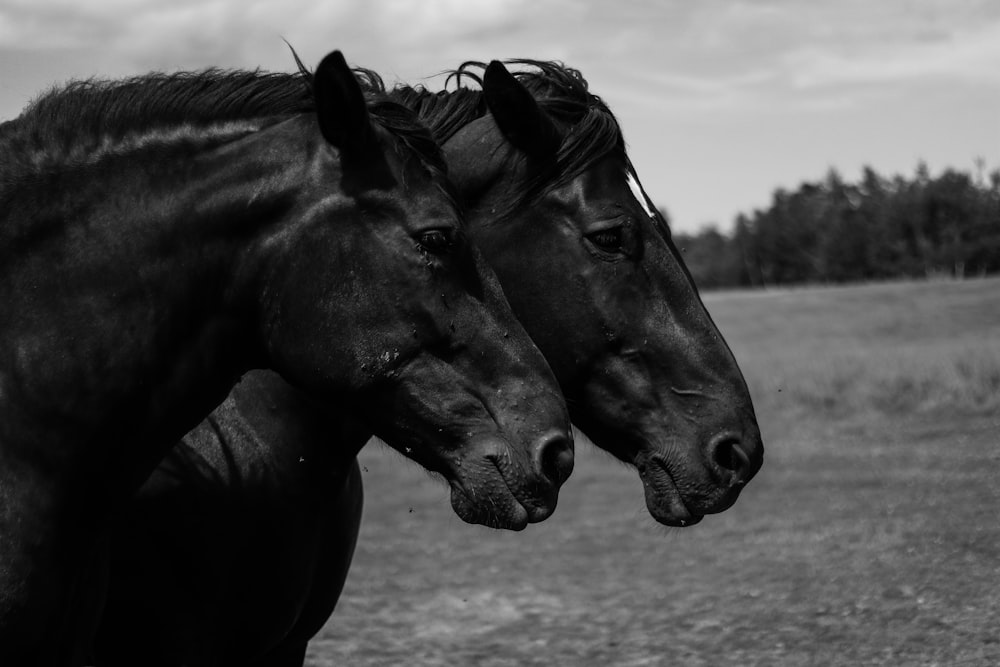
[{"x": 871, "y": 536}]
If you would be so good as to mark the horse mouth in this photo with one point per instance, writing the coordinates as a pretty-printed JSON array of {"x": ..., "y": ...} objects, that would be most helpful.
[
  {"x": 487, "y": 499},
  {"x": 663, "y": 497}
]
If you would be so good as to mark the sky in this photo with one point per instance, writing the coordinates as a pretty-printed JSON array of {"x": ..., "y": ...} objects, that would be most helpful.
[{"x": 721, "y": 101}]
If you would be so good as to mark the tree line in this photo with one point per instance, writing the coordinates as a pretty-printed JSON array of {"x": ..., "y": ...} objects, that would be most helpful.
[{"x": 878, "y": 228}]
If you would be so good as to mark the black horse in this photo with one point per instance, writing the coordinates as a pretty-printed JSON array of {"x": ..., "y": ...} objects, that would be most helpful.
[
  {"x": 161, "y": 236},
  {"x": 213, "y": 567}
]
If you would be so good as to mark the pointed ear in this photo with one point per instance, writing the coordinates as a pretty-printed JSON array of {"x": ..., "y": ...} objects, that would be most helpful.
[
  {"x": 517, "y": 113},
  {"x": 341, "y": 107}
]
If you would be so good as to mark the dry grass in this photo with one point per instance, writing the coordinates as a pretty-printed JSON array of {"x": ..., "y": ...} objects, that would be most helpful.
[
  {"x": 869, "y": 538},
  {"x": 874, "y": 350}
]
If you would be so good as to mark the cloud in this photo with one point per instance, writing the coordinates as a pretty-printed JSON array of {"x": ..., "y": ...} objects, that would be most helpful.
[
  {"x": 784, "y": 56},
  {"x": 970, "y": 55},
  {"x": 428, "y": 22},
  {"x": 192, "y": 33}
]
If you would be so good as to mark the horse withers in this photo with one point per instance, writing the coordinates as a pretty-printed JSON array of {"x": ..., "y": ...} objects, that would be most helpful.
[
  {"x": 590, "y": 266},
  {"x": 159, "y": 236}
]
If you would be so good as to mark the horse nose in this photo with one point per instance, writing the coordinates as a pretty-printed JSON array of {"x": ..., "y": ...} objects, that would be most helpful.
[
  {"x": 554, "y": 457},
  {"x": 734, "y": 459}
]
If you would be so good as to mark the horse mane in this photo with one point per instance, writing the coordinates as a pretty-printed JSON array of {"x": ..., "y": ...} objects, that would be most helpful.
[
  {"x": 590, "y": 130},
  {"x": 83, "y": 115}
]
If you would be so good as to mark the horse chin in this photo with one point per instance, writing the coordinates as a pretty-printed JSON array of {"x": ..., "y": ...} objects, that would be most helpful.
[
  {"x": 489, "y": 489},
  {"x": 663, "y": 498},
  {"x": 495, "y": 510},
  {"x": 670, "y": 515}
]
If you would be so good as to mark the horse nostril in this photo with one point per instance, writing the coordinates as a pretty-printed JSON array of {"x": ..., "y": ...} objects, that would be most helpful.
[
  {"x": 555, "y": 458},
  {"x": 728, "y": 454}
]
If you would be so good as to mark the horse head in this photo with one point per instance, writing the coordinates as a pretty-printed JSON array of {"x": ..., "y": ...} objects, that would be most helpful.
[
  {"x": 432, "y": 356},
  {"x": 590, "y": 269}
]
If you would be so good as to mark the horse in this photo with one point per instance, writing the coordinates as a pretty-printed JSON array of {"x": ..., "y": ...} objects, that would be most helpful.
[
  {"x": 588, "y": 264},
  {"x": 164, "y": 234}
]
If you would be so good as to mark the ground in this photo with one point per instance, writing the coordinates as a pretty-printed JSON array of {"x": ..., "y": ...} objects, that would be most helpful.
[{"x": 870, "y": 537}]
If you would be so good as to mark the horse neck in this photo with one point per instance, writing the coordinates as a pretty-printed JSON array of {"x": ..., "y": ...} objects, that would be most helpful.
[
  {"x": 291, "y": 428},
  {"x": 155, "y": 262}
]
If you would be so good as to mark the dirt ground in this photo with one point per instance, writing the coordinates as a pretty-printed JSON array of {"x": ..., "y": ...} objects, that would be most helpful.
[{"x": 870, "y": 537}]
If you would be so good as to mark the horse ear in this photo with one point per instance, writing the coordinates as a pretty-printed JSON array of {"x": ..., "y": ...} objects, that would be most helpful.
[
  {"x": 341, "y": 107},
  {"x": 517, "y": 114}
]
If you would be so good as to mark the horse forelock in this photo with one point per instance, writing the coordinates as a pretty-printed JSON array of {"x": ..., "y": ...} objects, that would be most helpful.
[
  {"x": 659, "y": 221},
  {"x": 416, "y": 140},
  {"x": 589, "y": 128},
  {"x": 632, "y": 177}
]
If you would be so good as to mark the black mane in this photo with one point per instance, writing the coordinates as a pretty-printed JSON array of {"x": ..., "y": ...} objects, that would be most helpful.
[
  {"x": 83, "y": 115},
  {"x": 590, "y": 130}
]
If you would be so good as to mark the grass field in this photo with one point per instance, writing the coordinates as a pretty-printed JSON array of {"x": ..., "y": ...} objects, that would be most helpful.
[{"x": 870, "y": 537}]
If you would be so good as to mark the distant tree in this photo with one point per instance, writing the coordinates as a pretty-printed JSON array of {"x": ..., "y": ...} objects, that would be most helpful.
[
  {"x": 984, "y": 245},
  {"x": 744, "y": 251},
  {"x": 883, "y": 247},
  {"x": 836, "y": 231},
  {"x": 710, "y": 257},
  {"x": 951, "y": 206},
  {"x": 846, "y": 247}
]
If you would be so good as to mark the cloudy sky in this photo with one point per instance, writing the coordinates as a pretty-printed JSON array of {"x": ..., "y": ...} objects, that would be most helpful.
[{"x": 721, "y": 101}]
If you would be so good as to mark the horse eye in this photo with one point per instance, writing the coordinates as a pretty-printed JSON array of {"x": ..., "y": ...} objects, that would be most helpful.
[
  {"x": 609, "y": 240},
  {"x": 435, "y": 240}
]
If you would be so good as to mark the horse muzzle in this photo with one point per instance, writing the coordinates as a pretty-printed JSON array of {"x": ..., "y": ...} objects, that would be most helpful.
[{"x": 493, "y": 489}]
